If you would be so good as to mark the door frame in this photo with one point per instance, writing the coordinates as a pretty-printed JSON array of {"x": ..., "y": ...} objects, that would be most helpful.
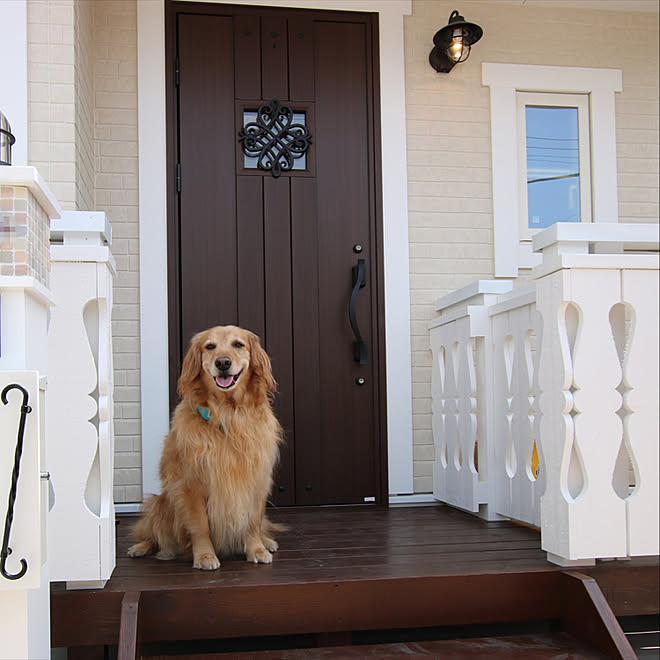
[{"x": 153, "y": 177}]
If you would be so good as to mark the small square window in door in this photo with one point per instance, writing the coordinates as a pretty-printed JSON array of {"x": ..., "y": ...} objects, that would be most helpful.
[{"x": 274, "y": 138}]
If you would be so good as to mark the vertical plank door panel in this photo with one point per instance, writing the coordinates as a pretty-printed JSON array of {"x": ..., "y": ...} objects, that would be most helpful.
[
  {"x": 207, "y": 200},
  {"x": 349, "y": 469}
]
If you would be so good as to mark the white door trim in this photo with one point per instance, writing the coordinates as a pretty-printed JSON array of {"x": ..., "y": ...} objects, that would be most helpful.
[{"x": 153, "y": 230}]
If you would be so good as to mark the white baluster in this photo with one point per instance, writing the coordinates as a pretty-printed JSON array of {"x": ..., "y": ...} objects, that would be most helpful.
[
  {"x": 640, "y": 291},
  {"x": 467, "y": 424},
  {"x": 599, "y": 514},
  {"x": 579, "y": 526}
]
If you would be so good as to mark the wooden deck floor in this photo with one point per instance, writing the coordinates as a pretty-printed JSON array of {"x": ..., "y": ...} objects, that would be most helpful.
[{"x": 346, "y": 569}]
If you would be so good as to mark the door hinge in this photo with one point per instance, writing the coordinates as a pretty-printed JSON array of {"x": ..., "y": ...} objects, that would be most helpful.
[
  {"x": 177, "y": 71},
  {"x": 178, "y": 177}
]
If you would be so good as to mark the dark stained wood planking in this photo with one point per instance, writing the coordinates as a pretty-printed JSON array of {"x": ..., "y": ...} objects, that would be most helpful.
[
  {"x": 279, "y": 322},
  {"x": 307, "y": 369},
  {"x": 208, "y": 198},
  {"x": 251, "y": 250},
  {"x": 274, "y": 60},
  {"x": 341, "y": 123},
  {"x": 320, "y": 63},
  {"x": 301, "y": 58},
  {"x": 586, "y": 614},
  {"x": 545, "y": 646},
  {"x": 247, "y": 56},
  {"x": 406, "y": 567},
  {"x": 129, "y": 627}
]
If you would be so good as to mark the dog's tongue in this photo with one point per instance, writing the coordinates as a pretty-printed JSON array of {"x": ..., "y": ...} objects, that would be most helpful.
[{"x": 224, "y": 381}]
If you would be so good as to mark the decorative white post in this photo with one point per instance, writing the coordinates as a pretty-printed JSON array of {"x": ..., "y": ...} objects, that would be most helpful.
[
  {"x": 639, "y": 289},
  {"x": 464, "y": 467},
  {"x": 80, "y": 423},
  {"x": 586, "y": 422},
  {"x": 26, "y": 204},
  {"x": 513, "y": 422}
]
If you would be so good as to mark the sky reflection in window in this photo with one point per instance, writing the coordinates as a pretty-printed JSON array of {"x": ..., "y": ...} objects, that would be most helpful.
[{"x": 553, "y": 166}]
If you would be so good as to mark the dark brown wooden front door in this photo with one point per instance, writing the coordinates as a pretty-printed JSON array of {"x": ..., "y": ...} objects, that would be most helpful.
[{"x": 280, "y": 255}]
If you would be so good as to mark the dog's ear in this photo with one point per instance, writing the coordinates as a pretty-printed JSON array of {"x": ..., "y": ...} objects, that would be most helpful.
[
  {"x": 260, "y": 364},
  {"x": 191, "y": 368}
]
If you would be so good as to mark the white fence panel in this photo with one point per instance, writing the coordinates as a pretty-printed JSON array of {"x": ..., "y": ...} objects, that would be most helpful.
[
  {"x": 454, "y": 387},
  {"x": 598, "y": 377},
  {"x": 546, "y": 400},
  {"x": 517, "y": 473}
]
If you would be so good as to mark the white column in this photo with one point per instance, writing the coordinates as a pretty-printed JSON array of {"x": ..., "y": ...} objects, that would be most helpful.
[
  {"x": 80, "y": 434},
  {"x": 25, "y": 297}
]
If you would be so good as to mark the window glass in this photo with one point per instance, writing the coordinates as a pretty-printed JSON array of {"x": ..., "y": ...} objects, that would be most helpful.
[
  {"x": 553, "y": 160},
  {"x": 553, "y": 166},
  {"x": 298, "y": 119}
]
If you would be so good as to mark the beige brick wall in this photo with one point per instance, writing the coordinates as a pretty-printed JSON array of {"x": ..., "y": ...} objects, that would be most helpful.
[
  {"x": 116, "y": 186},
  {"x": 82, "y": 105},
  {"x": 51, "y": 96},
  {"x": 84, "y": 77},
  {"x": 449, "y": 155}
]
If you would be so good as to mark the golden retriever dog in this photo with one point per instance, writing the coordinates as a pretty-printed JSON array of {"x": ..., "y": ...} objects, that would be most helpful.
[{"x": 218, "y": 459}]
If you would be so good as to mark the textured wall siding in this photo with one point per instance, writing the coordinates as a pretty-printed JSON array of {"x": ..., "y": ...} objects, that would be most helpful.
[
  {"x": 84, "y": 77},
  {"x": 116, "y": 183},
  {"x": 52, "y": 96},
  {"x": 449, "y": 155},
  {"x": 82, "y": 104}
]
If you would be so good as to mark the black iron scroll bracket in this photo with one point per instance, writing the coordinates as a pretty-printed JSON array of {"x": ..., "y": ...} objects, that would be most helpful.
[
  {"x": 360, "y": 351},
  {"x": 9, "y": 518}
]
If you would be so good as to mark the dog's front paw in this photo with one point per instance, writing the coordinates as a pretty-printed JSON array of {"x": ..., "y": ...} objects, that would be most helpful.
[
  {"x": 271, "y": 544},
  {"x": 260, "y": 556},
  {"x": 140, "y": 549},
  {"x": 207, "y": 562}
]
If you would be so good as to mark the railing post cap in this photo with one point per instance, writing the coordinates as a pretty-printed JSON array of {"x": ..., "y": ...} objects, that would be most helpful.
[{"x": 81, "y": 228}]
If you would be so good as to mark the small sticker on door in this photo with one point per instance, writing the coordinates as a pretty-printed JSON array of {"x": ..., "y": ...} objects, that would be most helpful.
[{"x": 369, "y": 499}]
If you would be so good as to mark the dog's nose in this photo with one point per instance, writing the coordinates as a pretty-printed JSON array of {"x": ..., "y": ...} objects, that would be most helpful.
[{"x": 223, "y": 363}]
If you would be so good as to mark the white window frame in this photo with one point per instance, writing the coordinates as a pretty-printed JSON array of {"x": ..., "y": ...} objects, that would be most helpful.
[
  {"x": 505, "y": 81},
  {"x": 581, "y": 103}
]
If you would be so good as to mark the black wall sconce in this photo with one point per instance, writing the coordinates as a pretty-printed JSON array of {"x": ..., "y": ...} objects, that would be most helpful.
[
  {"x": 6, "y": 140},
  {"x": 453, "y": 43}
]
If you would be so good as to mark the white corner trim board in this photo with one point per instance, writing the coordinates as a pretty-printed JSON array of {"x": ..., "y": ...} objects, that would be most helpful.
[
  {"x": 504, "y": 81},
  {"x": 153, "y": 228}
]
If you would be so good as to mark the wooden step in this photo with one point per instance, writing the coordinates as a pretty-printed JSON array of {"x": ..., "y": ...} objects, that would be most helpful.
[
  {"x": 540, "y": 647},
  {"x": 587, "y": 623},
  {"x": 343, "y": 571}
]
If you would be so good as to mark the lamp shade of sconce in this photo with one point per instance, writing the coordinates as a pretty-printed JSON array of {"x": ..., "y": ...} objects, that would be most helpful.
[
  {"x": 453, "y": 42},
  {"x": 6, "y": 140}
]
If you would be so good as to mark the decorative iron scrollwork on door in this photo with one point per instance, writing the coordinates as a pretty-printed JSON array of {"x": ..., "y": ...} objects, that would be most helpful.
[{"x": 274, "y": 139}]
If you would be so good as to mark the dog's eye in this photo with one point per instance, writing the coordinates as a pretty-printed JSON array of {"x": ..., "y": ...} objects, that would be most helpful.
[
  {"x": 209, "y": 347},
  {"x": 238, "y": 344}
]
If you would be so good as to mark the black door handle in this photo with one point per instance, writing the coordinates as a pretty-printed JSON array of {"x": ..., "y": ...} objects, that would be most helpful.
[{"x": 360, "y": 351}]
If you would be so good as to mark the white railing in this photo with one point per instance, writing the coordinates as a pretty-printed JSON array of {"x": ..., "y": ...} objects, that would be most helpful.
[
  {"x": 460, "y": 471},
  {"x": 514, "y": 364},
  {"x": 545, "y": 399},
  {"x": 80, "y": 401}
]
